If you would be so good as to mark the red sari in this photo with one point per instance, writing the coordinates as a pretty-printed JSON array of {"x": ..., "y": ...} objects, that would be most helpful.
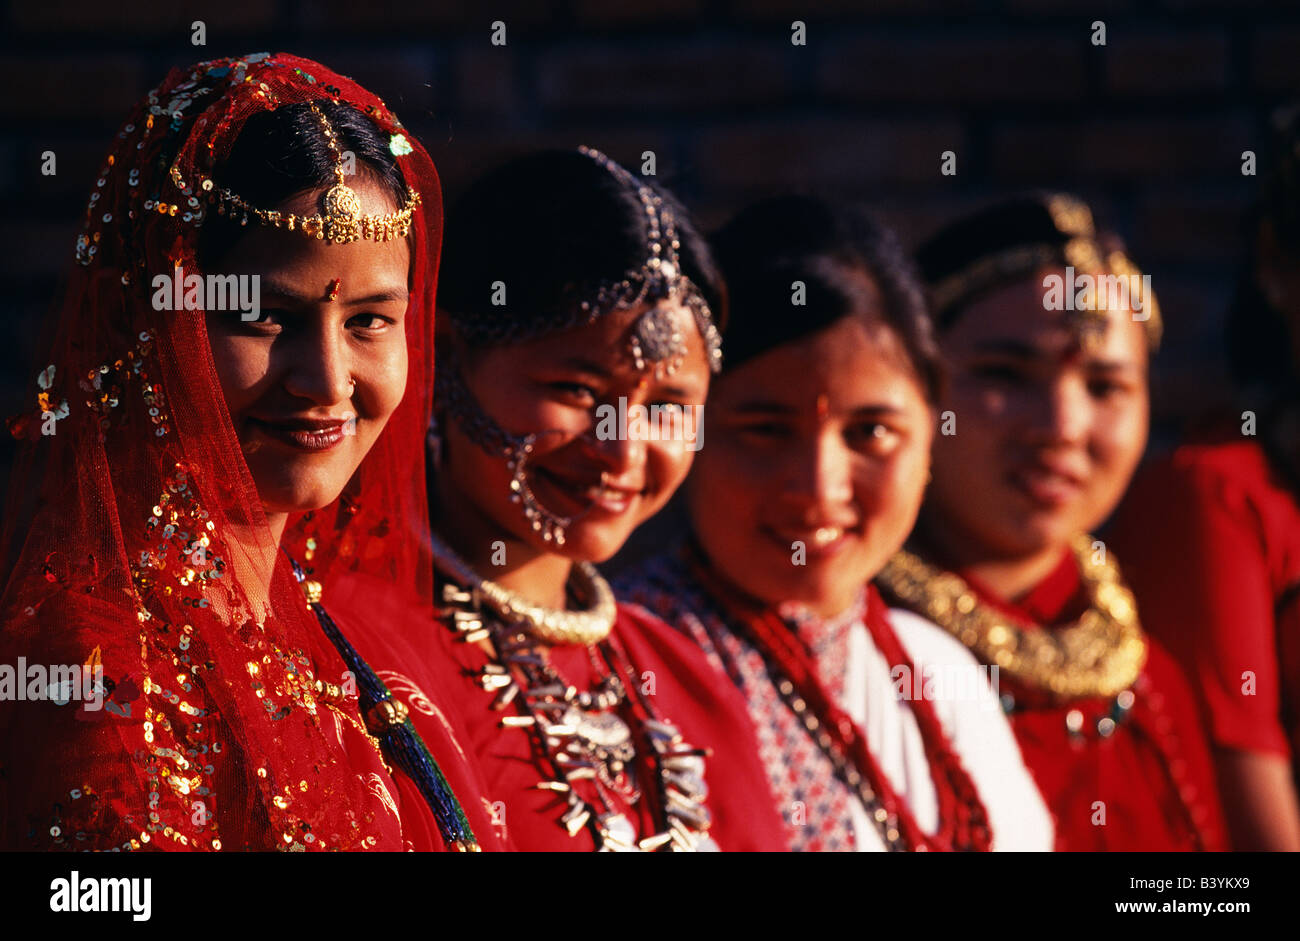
[
  {"x": 1212, "y": 539},
  {"x": 684, "y": 690},
  {"x": 136, "y": 543},
  {"x": 1152, "y": 773}
]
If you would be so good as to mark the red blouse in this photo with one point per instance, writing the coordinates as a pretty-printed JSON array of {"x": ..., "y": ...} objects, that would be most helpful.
[
  {"x": 683, "y": 689},
  {"x": 1151, "y": 774},
  {"x": 1211, "y": 542}
]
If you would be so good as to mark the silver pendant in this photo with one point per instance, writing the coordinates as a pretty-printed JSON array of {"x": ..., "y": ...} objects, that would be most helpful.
[
  {"x": 599, "y": 729},
  {"x": 618, "y": 830}
]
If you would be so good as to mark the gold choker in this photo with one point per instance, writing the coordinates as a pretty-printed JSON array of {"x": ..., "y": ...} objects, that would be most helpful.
[{"x": 1100, "y": 654}]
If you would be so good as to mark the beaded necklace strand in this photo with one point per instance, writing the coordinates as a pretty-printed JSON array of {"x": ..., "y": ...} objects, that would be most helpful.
[
  {"x": 389, "y": 721},
  {"x": 963, "y": 820}
]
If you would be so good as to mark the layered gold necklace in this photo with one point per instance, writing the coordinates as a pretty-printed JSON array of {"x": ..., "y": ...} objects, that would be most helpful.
[{"x": 1099, "y": 654}]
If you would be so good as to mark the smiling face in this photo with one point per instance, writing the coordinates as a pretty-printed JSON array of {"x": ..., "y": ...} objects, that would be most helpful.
[
  {"x": 562, "y": 386},
  {"x": 1047, "y": 433},
  {"x": 822, "y": 442},
  {"x": 311, "y": 384}
]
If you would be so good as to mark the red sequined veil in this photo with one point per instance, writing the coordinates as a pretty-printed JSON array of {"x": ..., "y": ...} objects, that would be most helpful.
[{"x": 124, "y": 506}]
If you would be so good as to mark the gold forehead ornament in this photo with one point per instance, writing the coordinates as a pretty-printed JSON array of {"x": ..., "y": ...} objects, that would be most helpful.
[{"x": 340, "y": 219}]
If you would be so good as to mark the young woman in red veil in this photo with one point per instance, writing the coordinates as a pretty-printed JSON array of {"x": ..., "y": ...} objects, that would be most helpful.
[
  {"x": 574, "y": 292},
  {"x": 201, "y": 472}
]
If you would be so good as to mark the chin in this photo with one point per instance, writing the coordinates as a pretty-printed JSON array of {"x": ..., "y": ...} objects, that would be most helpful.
[
  {"x": 300, "y": 499},
  {"x": 1035, "y": 533},
  {"x": 824, "y": 594},
  {"x": 587, "y": 543}
]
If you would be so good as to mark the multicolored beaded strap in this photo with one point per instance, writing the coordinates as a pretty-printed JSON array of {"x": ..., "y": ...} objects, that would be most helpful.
[{"x": 388, "y": 720}]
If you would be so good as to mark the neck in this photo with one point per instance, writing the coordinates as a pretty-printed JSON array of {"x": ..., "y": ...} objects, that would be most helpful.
[
  {"x": 828, "y": 609},
  {"x": 1010, "y": 577},
  {"x": 252, "y": 562},
  {"x": 276, "y": 523},
  {"x": 496, "y": 554}
]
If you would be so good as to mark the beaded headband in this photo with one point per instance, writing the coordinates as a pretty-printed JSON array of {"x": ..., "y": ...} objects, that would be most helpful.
[
  {"x": 656, "y": 339},
  {"x": 340, "y": 220},
  {"x": 1082, "y": 250}
]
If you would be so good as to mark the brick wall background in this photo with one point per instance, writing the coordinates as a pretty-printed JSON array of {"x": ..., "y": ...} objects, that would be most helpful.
[{"x": 1150, "y": 127}]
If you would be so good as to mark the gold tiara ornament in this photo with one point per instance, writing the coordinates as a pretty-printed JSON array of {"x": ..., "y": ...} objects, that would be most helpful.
[
  {"x": 340, "y": 219},
  {"x": 1082, "y": 250}
]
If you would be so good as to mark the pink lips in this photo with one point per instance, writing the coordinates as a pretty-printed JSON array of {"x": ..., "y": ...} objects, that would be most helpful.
[
  {"x": 304, "y": 434},
  {"x": 820, "y": 543},
  {"x": 590, "y": 495},
  {"x": 1046, "y": 483}
]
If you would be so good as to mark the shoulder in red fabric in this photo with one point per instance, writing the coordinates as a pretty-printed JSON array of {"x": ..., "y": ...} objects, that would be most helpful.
[
  {"x": 141, "y": 541},
  {"x": 1123, "y": 773}
]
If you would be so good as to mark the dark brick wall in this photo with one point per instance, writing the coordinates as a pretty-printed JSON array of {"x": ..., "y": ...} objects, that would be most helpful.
[{"x": 1149, "y": 127}]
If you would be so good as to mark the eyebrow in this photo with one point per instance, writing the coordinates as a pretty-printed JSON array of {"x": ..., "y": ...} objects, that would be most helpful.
[
  {"x": 579, "y": 364},
  {"x": 1009, "y": 347},
  {"x": 678, "y": 391},
  {"x": 766, "y": 407},
  {"x": 274, "y": 288},
  {"x": 1111, "y": 365},
  {"x": 1021, "y": 350}
]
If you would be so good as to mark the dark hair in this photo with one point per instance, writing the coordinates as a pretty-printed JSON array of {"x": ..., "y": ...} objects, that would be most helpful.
[
  {"x": 1258, "y": 340},
  {"x": 850, "y": 264},
  {"x": 281, "y": 153},
  {"x": 550, "y": 226}
]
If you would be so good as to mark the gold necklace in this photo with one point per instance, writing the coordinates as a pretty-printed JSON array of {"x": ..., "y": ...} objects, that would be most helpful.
[
  {"x": 1100, "y": 654},
  {"x": 558, "y": 628}
]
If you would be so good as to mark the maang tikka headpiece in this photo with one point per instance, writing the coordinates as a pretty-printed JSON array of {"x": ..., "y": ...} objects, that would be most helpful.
[
  {"x": 656, "y": 342},
  {"x": 340, "y": 219},
  {"x": 656, "y": 338}
]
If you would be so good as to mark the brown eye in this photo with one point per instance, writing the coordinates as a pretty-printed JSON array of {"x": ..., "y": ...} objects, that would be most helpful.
[
  {"x": 1104, "y": 388},
  {"x": 371, "y": 323},
  {"x": 576, "y": 393},
  {"x": 269, "y": 320},
  {"x": 872, "y": 437},
  {"x": 765, "y": 431}
]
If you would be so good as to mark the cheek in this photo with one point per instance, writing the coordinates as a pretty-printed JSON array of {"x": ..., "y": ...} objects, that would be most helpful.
[
  {"x": 1120, "y": 435},
  {"x": 383, "y": 381},
  {"x": 979, "y": 411},
  {"x": 718, "y": 495},
  {"x": 667, "y": 465},
  {"x": 892, "y": 492},
  {"x": 479, "y": 477},
  {"x": 669, "y": 462},
  {"x": 963, "y": 452},
  {"x": 519, "y": 407},
  {"x": 986, "y": 404},
  {"x": 241, "y": 365}
]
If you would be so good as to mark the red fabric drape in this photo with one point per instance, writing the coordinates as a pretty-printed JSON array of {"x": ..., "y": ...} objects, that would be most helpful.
[
  {"x": 135, "y": 537},
  {"x": 679, "y": 683},
  {"x": 1149, "y": 785}
]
